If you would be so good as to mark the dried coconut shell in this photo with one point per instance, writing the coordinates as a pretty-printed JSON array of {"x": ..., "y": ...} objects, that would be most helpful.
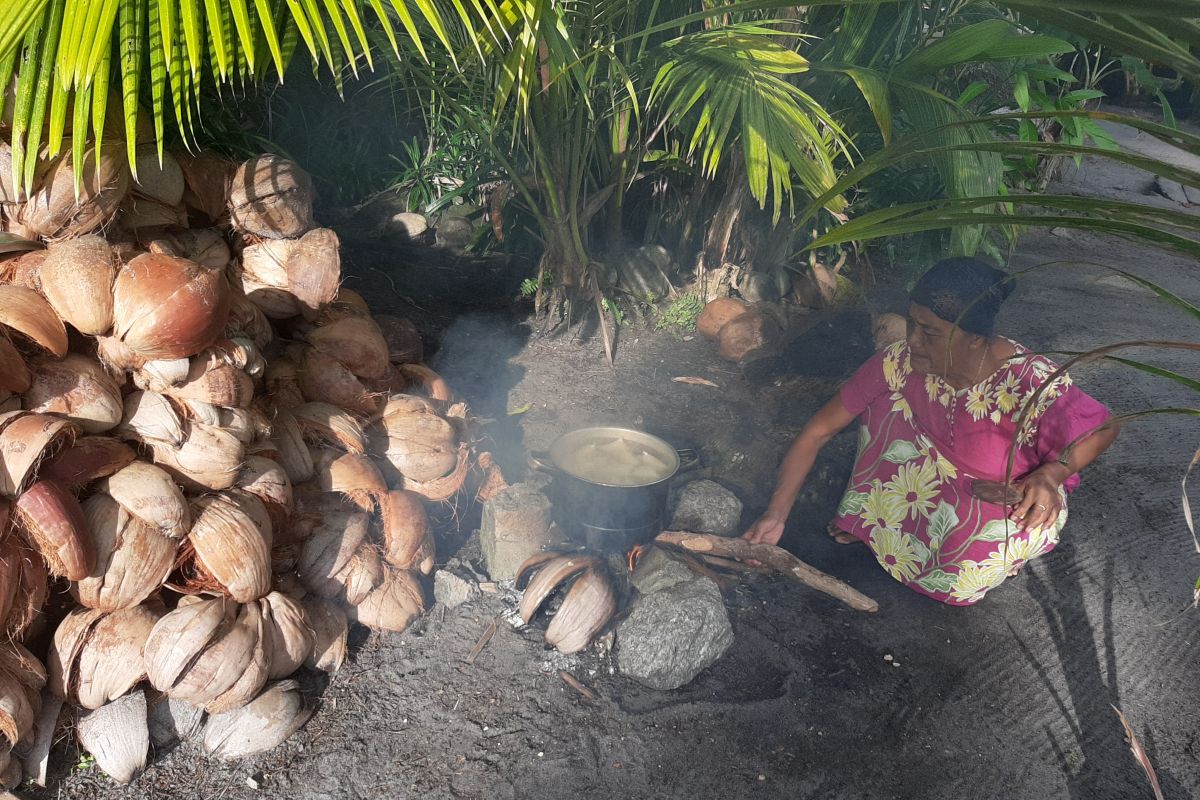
[
  {"x": 162, "y": 372},
  {"x": 588, "y": 606},
  {"x": 247, "y": 320},
  {"x": 432, "y": 383},
  {"x": 207, "y": 179},
  {"x": 271, "y": 197},
  {"x": 261, "y": 725},
  {"x": 751, "y": 335},
  {"x": 132, "y": 558},
  {"x": 18, "y": 706},
  {"x": 88, "y": 459},
  {"x": 181, "y": 636},
  {"x": 293, "y": 453},
  {"x": 393, "y": 605},
  {"x": 33, "y": 589},
  {"x": 53, "y": 523},
  {"x": 24, "y": 270},
  {"x": 76, "y": 387},
  {"x": 361, "y": 575},
  {"x": 10, "y": 561},
  {"x": 211, "y": 380},
  {"x": 350, "y": 474},
  {"x": 25, "y": 311},
  {"x": 148, "y": 493},
  {"x": 118, "y": 735},
  {"x": 77, "y": 278},
  {"x": 407, "y": 539}
]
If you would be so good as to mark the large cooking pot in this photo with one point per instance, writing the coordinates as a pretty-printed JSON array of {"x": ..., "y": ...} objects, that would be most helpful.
[{"x": 611, "y": 485}]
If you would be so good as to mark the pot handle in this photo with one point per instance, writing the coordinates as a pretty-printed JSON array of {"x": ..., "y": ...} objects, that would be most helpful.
[
  {"x": 540, "y": 460},
  {"x": 689, "y": 459}
]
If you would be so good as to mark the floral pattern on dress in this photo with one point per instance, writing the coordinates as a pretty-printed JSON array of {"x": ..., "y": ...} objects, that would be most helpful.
[{"x": 910, "y": 497}]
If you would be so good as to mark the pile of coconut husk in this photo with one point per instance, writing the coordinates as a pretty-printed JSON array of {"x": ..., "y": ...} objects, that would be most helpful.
[{"x": 212, "y": 457}]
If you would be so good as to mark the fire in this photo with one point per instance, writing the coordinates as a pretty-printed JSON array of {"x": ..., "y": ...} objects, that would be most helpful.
[{"x": 634, "y": 554}]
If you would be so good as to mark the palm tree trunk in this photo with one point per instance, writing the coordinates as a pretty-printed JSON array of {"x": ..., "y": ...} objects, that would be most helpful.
[{"x": 720, "y": 229}]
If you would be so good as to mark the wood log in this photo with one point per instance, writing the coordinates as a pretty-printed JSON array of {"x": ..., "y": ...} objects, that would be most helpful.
[{"x": 775, "y": 557}]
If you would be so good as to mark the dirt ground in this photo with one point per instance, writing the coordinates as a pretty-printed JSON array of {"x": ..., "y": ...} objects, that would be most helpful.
[{"x": 1009, "y": 699}]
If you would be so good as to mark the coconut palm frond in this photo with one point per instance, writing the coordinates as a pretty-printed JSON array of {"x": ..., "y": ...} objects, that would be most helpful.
[
  {"x": 67, "y": 54},
  {"x": 728, "y": 84}
]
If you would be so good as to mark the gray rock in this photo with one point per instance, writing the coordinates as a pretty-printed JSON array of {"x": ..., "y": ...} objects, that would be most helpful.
[
  {"x": 673, "y": 634},
  {"x": 1173, "y": 190},
  {"x": 515, "y": 524},
  {"x": 707, "y": 507},
  {"x": 455, "y": 233},
  {"x": 639, "y": 275},
  {"x": 759, "y": 287},
  {"x": 656, "y": 571},
  {"x": 408, "y": 225},
  {"x": 452, "y": 590}
]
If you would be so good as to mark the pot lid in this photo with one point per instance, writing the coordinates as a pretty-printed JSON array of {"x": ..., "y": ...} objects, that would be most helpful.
[{"x": 614, "y": 456}]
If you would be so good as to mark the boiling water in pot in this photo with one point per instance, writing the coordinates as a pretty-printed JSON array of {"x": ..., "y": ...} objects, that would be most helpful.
[{"x": 615, "y": 461}]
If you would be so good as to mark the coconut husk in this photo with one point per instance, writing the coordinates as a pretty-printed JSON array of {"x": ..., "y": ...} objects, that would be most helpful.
[
  {"x": 716, "y": 313},
  {"x": 330, "y": 628},
  {"x": 349, "y": 474},
  {"x": 109, "y": 661},
  {"x": 26, "y": 312},
  {"x": 403, "y": 339},
  {"x": 432, "y": 383},
  {"x": 25, "y": 440},
  {"x": 411, "y": 443},
  {"x": 271, "y": 197},
  {"x": 231, "y": 539},
  {"x": 24, "y": 270},
  {"x": 393, "y": 605},
  {"x": 207, "y": 179},
  {"x": 54, "y": 212},
  {"x": 76, "y": 278},
  {"x": 356, "y": 342},
  {"x": 209, "y": 458},
  {"x": 204, "y": 246},
  {"x": 88, "y": 459},
  {"x": 118, "y": 735},
  {"x": 285, "y": 277},
  {"x": 332, "y": 543},
  {"x": 288, "y": 636},
  {"x": 588, "y": 606},
  {"x": 158, "y": 179},
  {"x": 76, "y": 387},
  {"x": 323, "y": 379},
  {"x": 405, "y": 531},
  {"x": 53, "y": 523},
  {"x": 751, "y": 335},
  {"x": 150, "y": 416},
  {"x": 132, "y": 558},
  {"x": 212, "y": 380},
  {"x": 165, "y": 307},
  {"x": 247, "y": 320},
  {"x": 143, "y": 216},
  {"x": 32, "y": 591},
  {"x": 326, "y": 424},
  {"x": 288, "y": 440},
  {"x": 148, "y": 493},
  {"x": 15, "y": 376}
]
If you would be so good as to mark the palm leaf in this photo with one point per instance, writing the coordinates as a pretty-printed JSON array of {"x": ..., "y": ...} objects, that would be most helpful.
[{"x": 131, "y": 21}]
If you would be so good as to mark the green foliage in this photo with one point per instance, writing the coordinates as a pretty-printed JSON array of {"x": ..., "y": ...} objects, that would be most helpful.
[
  {"x": 614, "y": 310},
  {"x": 680, "y": 313}
]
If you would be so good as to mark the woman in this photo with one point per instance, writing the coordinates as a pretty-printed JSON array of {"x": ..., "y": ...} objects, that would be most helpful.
[{"x": 939, "y": 411}]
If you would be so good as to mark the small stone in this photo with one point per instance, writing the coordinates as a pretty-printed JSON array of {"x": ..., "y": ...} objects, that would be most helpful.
[
  {"x": 656, "y": 571},
  {"x": 895, "y": 663},
  {"x": 762, "y": 777},
  {"x": 253, "y": 784},
  {"x": 707, "y": 507},
  {"x": 1172, "y": 190},
  {"x": 454, "y": 233},
  {"x": 407, "y": 225},
  {"x": 452, "y": 590},
  {"x": 758, "y": 287},
  {"x": 887, "y": 657}
]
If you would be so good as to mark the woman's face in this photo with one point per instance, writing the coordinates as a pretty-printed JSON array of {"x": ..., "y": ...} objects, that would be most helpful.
[{"x": 936, "y": 346}]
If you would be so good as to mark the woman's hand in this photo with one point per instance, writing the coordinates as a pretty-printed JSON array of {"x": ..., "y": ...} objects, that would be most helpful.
[
  {"x": 768, "y": 529},
  {"x": 1041, "y": 503}
]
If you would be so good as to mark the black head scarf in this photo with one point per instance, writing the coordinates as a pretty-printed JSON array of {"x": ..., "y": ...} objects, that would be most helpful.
[{"x": 965, "y": 291}]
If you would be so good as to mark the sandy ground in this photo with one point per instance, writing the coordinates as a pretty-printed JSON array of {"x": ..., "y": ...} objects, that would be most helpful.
[{"x": 1010, "y": 699}]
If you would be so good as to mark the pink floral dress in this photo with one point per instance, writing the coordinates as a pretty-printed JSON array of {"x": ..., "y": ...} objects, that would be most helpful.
[{"x": 921, "y": 446}]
